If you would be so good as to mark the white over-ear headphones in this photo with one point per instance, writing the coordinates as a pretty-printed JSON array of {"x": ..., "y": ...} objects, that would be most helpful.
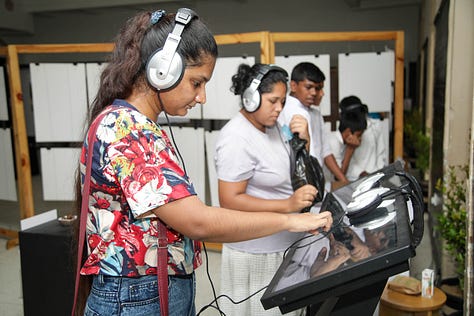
[
  {"x": 251, "y": 98},
  {"x": 165, "y": 67}
]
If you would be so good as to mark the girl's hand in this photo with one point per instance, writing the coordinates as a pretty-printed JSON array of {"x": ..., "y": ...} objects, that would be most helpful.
[
  {"x": 309, "y": 222},
  {"x": 303, "y": 197},
  {"x": 299, "y": 124}
]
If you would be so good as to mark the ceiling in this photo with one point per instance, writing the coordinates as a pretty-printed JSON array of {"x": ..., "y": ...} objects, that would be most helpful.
[
  {"x": 36, "y": 6},
  {"x": 16, "y": 16}
]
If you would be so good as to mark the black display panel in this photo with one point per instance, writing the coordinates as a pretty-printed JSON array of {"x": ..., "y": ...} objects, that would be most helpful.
[{"x": 377, "y": 224}]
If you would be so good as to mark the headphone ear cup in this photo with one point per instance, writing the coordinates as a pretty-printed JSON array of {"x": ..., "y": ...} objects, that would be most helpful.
[
  {"x": 251, "y": 100},
  {"x": 168, "y": 80}
]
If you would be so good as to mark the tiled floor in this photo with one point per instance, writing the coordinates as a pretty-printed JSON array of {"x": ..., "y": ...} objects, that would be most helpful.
[{"x": 11, "y": 303}]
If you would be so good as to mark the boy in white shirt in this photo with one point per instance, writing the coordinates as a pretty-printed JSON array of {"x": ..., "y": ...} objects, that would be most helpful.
[
  {"x": 306, "y": 93},
  {"x": 346, "y": 140}
]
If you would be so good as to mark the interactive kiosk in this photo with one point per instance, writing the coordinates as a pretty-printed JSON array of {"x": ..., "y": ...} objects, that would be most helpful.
[{"x": 377, "y": 224}]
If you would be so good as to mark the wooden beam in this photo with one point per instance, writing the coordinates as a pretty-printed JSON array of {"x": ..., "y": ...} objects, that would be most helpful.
[
  {"x": 396, "y": 36},
  {"x": 214, "y": 246},
  {"x": 64, "y": 48},
  {"x": 22, "y": 155},
  {"x": 398, "y": 98},
  {"x": 254, "y": 37},
  {"x": 333, "y": 36},
  {"x": 8, "y": 233}
]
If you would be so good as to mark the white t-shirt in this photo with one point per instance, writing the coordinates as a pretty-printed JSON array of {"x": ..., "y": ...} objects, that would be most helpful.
[
  {"x": 245, "y": 153},
  {"x": 371, "y": 155},
  {"x": 319, "y": 146},
  {"x": 339, "y": 149}
]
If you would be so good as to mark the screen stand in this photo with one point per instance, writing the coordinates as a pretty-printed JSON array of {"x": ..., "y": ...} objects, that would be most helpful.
[{"x": 362, "y": 302}]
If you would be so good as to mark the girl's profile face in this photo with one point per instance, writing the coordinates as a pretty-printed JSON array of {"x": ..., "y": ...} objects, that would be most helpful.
[
  {"x": 190, "y": 90},
  {"x": 270, "y": 107}
]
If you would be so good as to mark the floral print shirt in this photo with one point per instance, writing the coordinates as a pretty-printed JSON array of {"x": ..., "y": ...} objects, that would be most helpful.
[{"x": 134, "y": 170}]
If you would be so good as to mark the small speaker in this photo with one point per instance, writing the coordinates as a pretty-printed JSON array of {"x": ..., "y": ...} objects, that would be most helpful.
[{"x": 47, "y": 269}]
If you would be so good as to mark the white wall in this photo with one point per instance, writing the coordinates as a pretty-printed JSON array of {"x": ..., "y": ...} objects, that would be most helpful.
[{"x": 458, "y": 109}]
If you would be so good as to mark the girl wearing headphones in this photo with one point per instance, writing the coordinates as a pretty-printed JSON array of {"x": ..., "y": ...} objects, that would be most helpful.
[
  {"x": 252, "y": 162},
  {"x": 141, "y": 217}
]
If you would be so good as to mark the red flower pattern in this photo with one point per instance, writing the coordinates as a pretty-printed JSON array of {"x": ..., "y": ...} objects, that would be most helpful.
[{"x": 143, "y": 155}]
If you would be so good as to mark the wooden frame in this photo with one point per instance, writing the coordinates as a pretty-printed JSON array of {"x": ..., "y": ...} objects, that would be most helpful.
[
  {"x": 267, "y": 42},
  {"x": 397, "y": 36},
  {"x": 22, "y": 157}
]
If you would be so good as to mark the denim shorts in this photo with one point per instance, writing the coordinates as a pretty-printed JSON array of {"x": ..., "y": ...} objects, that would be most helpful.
[{"x": 122, "y": 296}]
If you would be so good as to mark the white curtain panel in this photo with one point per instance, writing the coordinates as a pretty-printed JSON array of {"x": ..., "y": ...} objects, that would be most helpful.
[
  {"x": 221, "y": 103},
  {"x": 59, "y": 101},
  {"x": 7, "y": 173},
  {"x": 190, "y": 143},
  {"x": 93, "y": 71},
  {"x": 3, "y": 96},
  {"x": 369, "y": 76},
  {"x": 211, "y": 138},
  {"x": 58, "y": 169}
]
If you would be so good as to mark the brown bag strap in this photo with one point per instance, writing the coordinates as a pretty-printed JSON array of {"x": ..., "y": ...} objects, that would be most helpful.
[
  {"x": 162, "y": 268},
  {"x": 85, "y": 204}
]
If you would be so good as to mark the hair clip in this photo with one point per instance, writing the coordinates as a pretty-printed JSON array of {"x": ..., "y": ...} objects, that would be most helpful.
[{"x": 156, "y": 16}]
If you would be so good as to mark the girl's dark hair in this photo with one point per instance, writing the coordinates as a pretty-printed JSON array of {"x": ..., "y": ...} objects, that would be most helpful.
[
  {"x": 245, "y": 74},
  {"x": 137, "y": 40}
]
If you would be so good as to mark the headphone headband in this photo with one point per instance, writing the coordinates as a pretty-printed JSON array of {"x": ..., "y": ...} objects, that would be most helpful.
[
  {"x": 165, "y": 67},
  {"x": 251, "y": 96},
  {"x": 352, "y": 107},
  {"x": 182, "y": 18}
]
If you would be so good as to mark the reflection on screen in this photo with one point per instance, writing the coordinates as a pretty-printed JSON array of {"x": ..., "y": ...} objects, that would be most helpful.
[{"x": 365, "y": 223}]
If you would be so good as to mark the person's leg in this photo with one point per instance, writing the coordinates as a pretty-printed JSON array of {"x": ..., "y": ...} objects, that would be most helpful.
[{"x": 235, "y": 273}]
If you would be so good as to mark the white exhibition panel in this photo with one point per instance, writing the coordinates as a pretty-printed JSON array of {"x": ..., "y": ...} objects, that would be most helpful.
[
  {"x": 3, "y": 97},
  {"x": 368, "y": 76},
  {"x": 58, "y": 169},
  {"x": 211, "y": 139},
  {"x": 7, "y": 174},
  {"x": 59, "y": 101},
  {"x": 323, "y": 63},
  {"x": 190, "y": 143},
  {"x": 221, "y": 103},
  {"x": 93, "y": 71}
]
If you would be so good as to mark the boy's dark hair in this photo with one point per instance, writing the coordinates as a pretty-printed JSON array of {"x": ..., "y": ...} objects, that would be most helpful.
[
  {"x": 308, "y": 71},
  {"x": 354, "y": 120},
  {"x": 352, "y": 103}
]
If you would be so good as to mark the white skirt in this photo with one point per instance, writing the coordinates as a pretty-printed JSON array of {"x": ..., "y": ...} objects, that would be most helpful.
[{"x": 242, "y": 275}]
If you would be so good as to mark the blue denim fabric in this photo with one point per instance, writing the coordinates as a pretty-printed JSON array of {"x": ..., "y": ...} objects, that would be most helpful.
[{"x": 121, "y": 296}]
